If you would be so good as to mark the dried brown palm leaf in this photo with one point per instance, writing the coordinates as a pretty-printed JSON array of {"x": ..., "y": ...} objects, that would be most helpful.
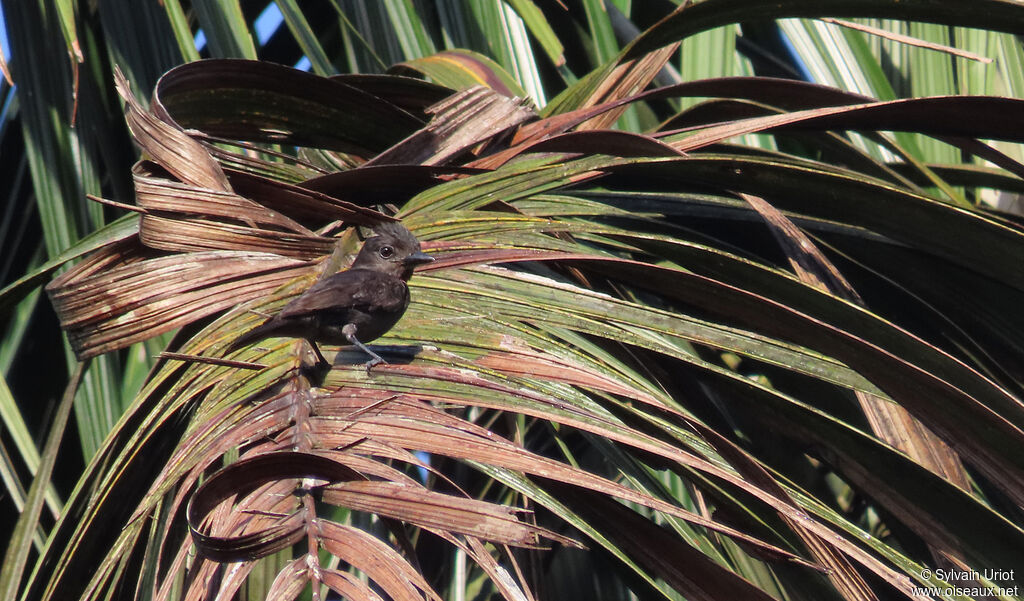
[
  {"x": 163, "y": 195},
  {"x": 460, "y": 122},
  {"x": 115, "y": 299},
  {"x": 185, "y": 235},
  {"x": 628, "y": 78},
  {"x": 169, "y": 146}
]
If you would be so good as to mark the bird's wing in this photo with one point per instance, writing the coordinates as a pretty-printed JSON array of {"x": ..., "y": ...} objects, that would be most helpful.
[{"x": 347, "y": 290}]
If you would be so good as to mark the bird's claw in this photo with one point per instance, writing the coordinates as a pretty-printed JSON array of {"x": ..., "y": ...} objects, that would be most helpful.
[{"x": 373, "y": 363}]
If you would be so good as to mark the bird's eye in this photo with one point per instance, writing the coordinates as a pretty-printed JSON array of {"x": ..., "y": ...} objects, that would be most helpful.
[{"x": 387, "y": 252}]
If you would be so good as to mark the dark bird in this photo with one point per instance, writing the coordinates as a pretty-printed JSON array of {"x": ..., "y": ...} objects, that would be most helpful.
[{"x": 353, "y": 306}]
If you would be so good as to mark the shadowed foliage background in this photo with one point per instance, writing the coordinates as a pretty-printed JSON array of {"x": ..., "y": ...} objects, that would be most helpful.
[{"x": 726, "y": 301}]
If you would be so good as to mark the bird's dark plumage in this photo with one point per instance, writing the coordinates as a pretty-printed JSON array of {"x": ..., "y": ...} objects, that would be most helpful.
[{"x": 354, "y": 306}]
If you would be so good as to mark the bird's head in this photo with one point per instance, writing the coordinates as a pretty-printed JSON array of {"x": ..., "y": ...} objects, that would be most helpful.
[{"x": 392, "y": 250}]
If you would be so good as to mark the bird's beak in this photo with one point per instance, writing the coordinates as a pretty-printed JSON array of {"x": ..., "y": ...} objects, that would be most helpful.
[{"x": 417, "y": 258}]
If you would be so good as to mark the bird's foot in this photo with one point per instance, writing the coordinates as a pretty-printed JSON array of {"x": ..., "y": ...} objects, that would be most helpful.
[
  {"x": 350, "y": 333},
  {"x": 377, "y": 360}
]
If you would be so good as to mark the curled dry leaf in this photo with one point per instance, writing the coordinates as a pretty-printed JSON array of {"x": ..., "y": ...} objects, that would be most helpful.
[{"x": 169, "y": 146}]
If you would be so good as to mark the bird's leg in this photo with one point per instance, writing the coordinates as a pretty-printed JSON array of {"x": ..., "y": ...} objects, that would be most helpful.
[
  {"x": 320, "y": 360},
  {"x": 350, "y": 334}
]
